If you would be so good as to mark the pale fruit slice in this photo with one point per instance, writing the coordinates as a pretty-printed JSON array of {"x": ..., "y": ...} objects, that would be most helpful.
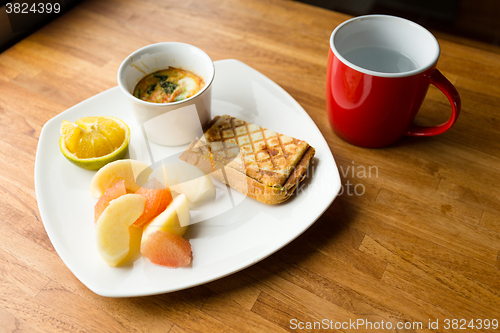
[
  {"x": 166, "y": 249},
  {"x": 112, "y": 228},
  {"x": 134, "y": 252},
  {"x": 189, "y": 180},
  {"x": 112, "y": 193},
  {"x": 180, "y": 172},
  {"x": 196, "y": 190},
  {"x": 174, "y": 219},
  {"x": 158, "y": 197},
  {"x": 127, "y": 170}
]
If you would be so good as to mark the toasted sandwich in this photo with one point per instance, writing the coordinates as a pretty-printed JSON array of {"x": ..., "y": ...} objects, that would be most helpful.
[{"x": 256, "y": 161}]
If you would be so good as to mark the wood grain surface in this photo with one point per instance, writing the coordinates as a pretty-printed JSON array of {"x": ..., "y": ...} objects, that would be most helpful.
[{"x": 422, "y": 243}]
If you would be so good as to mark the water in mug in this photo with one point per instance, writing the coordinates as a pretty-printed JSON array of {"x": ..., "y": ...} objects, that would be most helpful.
[{"x": 380, "y": 60}]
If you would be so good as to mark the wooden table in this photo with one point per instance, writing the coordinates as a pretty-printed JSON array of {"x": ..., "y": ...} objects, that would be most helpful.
[{"x": 420, "y": 244}]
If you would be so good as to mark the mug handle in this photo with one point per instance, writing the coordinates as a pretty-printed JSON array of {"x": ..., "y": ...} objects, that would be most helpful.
[{"x": 449, "y": 90}]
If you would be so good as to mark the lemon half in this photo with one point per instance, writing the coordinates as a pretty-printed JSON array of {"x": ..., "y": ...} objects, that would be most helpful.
[{"x": 93, "y": 142}]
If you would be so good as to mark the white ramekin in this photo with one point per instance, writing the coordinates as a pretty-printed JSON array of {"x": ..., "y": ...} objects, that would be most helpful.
[{"x": 169, "y": 124}]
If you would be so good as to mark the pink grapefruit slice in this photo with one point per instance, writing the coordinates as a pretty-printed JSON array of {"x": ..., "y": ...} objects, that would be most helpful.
[
  {"x": 112, "y": 193},
  {"x": 158, "y": 197},
  {"x": 166, "y": 249}
]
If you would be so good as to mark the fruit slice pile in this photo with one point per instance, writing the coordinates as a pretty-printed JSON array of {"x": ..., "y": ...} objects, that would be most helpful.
[{"x": 150, "y": 207}]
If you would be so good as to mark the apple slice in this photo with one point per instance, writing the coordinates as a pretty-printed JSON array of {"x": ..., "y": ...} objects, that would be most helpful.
[
  {"x": 112, "y": 228},
  {"x": 196, "y": 190},
  {"x": 189, "y": 180},
  {"x": 175, "y": 219},
  {"x": 127, "y": 170}
]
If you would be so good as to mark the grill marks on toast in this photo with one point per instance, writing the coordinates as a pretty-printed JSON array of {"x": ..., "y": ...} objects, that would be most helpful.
[{"x": 262, "y": 154}]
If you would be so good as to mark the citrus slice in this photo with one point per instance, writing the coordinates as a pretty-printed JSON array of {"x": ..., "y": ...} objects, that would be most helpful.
[
  {"x": 92, "y": 142},
  {"x": 157, "y": 197},
  {"x": 112, "y": 193},
  {"x": 166, "y": 249}
]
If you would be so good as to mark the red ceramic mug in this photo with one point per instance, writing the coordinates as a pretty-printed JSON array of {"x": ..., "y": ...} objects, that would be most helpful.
[{"x": 379, "y": 70}]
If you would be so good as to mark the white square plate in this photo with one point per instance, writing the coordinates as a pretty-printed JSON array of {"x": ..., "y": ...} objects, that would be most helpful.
[{"x": 224, "y": 244}]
